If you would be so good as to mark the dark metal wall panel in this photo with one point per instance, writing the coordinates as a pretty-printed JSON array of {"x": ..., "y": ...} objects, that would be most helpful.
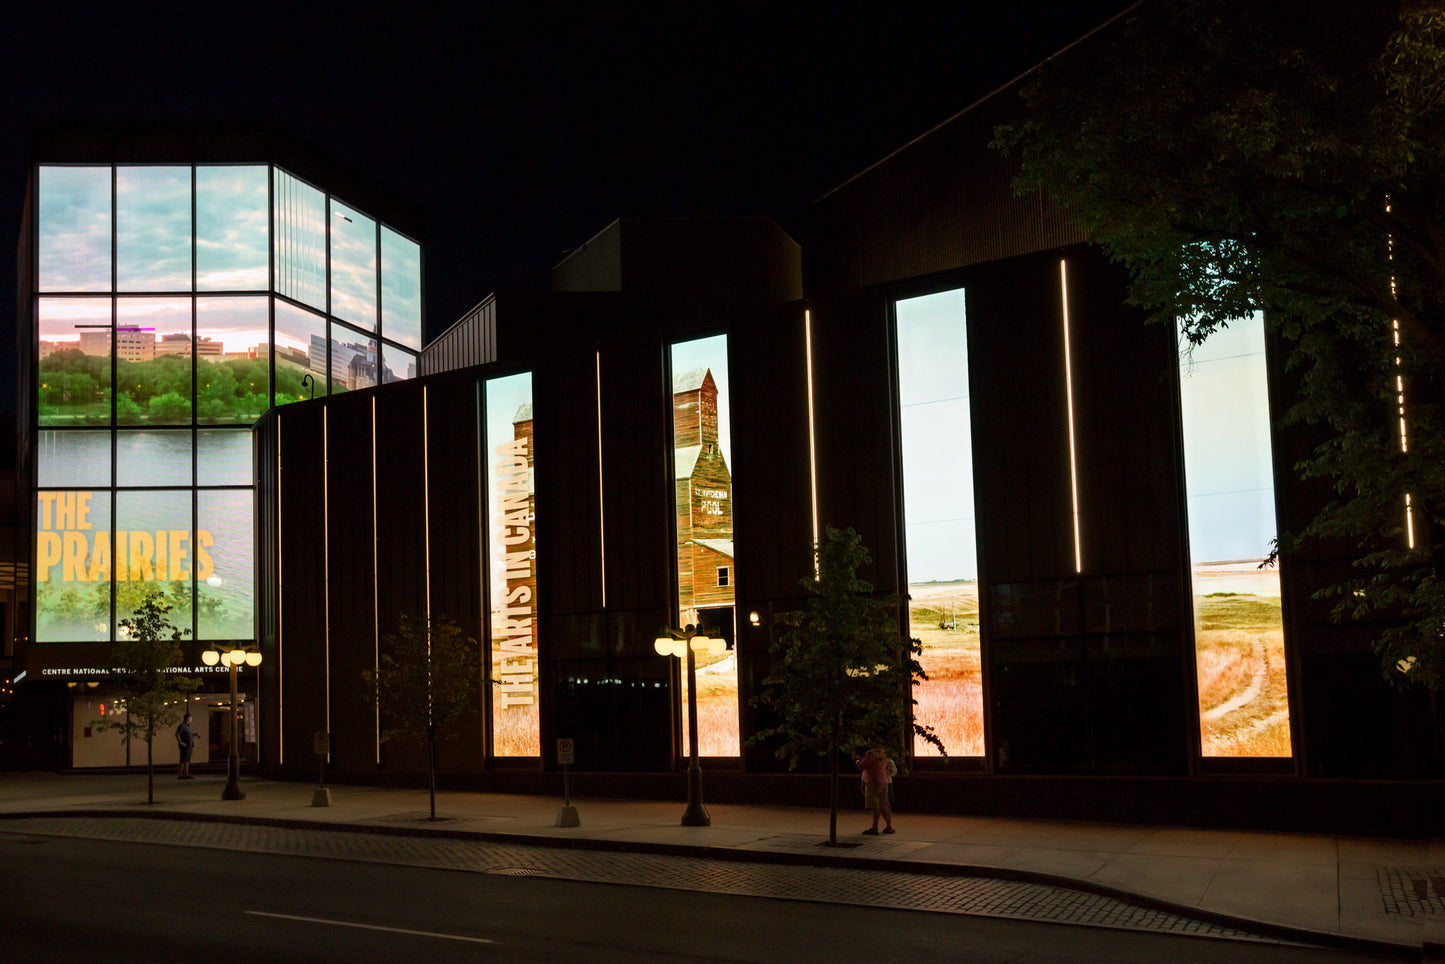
[
  {"x": 636, "y": 483},
  {"x": 302, "y": 643},
  {"x": 569, "y": 526},
  {"x": 350, "y": 569},
  {"x": 1020, "y": 417},
  {"x": 401, "y": 562},
  {"x": 453, "y": 434},
  {"x": 771, "y": 475},
  {"x": 1126, "y": 404},
  {"x": 854, "y": 428},
  {"x": 940, "y": 203},
  {"x": 264, "y": 451}
]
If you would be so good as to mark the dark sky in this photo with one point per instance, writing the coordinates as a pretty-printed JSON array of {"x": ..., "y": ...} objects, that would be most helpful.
[{"x": 523, "y": 129}]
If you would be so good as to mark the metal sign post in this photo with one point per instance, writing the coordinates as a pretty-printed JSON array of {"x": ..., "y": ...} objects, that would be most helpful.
[
  {"x": 566, "y": 814},
  {"x": 321, "y": 744}
]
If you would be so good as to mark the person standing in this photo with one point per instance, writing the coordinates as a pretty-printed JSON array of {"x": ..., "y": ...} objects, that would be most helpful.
[
  {"x": 878, "y": 771},
  {"x": 186, "y": 740}
]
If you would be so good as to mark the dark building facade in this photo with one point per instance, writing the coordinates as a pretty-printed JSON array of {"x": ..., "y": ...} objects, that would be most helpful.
[{"x": 1073, "y": 510}]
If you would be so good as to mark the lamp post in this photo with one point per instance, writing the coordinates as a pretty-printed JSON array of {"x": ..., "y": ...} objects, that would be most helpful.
[
  {"x": 676, "y": 642},
  {"x": 232, "y": 659}
]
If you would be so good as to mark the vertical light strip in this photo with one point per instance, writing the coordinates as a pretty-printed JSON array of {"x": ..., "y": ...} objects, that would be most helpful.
[
  {"x": 326, "y": 552},
  {"x": 1400, "y": 387},
  {"x": 1069, "y": 396},
  {"x": 375, "y": 574},
  {"x": 426, "y": 507},
  {"x": 280, "y": 612},
  {"x": 812, "y": 433},
  {"x": 601, "y": 505}
]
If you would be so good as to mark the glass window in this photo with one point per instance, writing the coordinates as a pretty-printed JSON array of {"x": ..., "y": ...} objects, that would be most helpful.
[
  {"x": 74, "y": 215},
  {"x": 153, "y": 361},
  {"x": 400, "y": 289},
  {"x": 223, "y": 457},
  {"x": 154, "y": 552},
  {"x": 72, "y": 566},
  {"x": 231, "y": 229},
  {"x": 232, "y": 366},
  {"x": 703, "y": 492},
  {"x": 396, "y": 365},
  {"x": 353, "y": 360},
  {"x": 300, "y": 353},
  {"x": 511, "y": 514},
  {"x": 938, "y": 515},
  {"x": 1229, "y": 479},
  {"x": 144, "y": 458},
  {"x": 225, "y": 566},
  {"x": 73, "y": 459},
  {"x": 353, "y": 266},
  {"x": 73, "y": 387},
  {"x": 300, "y": 241},
  {"x": 153, "y": 228}
]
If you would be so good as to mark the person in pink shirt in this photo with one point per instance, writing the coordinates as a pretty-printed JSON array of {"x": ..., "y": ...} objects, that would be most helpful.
[{"x": 878, "y": 771}]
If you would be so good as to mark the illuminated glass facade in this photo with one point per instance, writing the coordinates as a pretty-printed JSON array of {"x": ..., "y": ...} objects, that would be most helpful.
[
  {"x": 174, "y": 305},
  {"x": 940, "y": 530}
]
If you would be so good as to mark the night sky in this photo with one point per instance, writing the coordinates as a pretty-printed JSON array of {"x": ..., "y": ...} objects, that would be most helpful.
[{"x": 523, "y": 129}]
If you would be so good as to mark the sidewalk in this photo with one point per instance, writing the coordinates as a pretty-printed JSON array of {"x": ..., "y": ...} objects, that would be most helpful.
[{"x": 1351, "y": 888}]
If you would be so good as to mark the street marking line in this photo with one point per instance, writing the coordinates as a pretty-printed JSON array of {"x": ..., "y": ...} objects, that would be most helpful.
[{"x": 370, "y": 927}]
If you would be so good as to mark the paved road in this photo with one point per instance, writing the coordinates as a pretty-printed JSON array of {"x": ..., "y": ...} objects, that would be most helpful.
[{"x": 131, "y": 901}]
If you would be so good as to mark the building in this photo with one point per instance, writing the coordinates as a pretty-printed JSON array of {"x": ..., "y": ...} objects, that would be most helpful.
[
  {"x": 1074, "y": 517},
  {"x": 156, "y": 259}
]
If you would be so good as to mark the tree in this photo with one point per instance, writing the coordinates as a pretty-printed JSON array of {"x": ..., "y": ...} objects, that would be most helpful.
[
  {"x": 428, "y": 677},
  {"x": 842, "y": 675},
  {"x": 151, "y": 695},
  {"x": 1286, "y": 157}
]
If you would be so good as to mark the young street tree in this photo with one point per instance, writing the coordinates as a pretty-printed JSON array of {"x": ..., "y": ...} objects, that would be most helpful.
[
  {"x": 144, "y": 655},
  {"x": 842, "y": 675},
  {"x": 429, "y": 676},
  {"x": 1286, "y": 157}
]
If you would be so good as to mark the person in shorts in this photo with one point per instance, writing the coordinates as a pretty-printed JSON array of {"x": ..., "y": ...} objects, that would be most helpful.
[{"x": 877, "y": 772}]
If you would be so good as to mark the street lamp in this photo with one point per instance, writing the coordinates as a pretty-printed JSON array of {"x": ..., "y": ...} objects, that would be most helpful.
[
  {"x": 676, "y": 642},
  {"x": 233, "y": 659}
]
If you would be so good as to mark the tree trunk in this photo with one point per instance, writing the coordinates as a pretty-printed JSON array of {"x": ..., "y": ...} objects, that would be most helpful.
[
  {"x": 150, "y": 775},
  {"x": 833, "y": 802}
]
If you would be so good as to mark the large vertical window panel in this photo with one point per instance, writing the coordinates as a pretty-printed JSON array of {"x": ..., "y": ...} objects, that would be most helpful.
[
  {"x": 232, "y": 367},
  {"x": 153, "y": 228},
  {"x": 73, "y": 459},
  {"x": 397, "y": 365},
  {"x": 153, "y": 348},
  {"x": 353, "y": 360},
  {"x": 72, "y": 565},
  {"x": 511, "y": 522},
  {"x": 400, "y": 289},
  {"x": 153, "y": 458},
  {"x": 74, "y": 207},
  {"x": 942, "y": 544},
  {"x": 703, "y": 499},
  {"x": 300, "y": 241},
  {"x": 353, "y": 266},
  {"x": 231, "y": 228},
  {"x": 225, "y": 567},
  {"x": 74, "y": 381},
  {"x": 223, "y": 457},
  {"x": 154, "y": 552},
  {"x": 1229, "y": 478},
  {"x": 300, "y": 353}
]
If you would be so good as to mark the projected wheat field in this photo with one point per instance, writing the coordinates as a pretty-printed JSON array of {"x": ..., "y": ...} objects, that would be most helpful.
[{"x": 1239, "y": 647}]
